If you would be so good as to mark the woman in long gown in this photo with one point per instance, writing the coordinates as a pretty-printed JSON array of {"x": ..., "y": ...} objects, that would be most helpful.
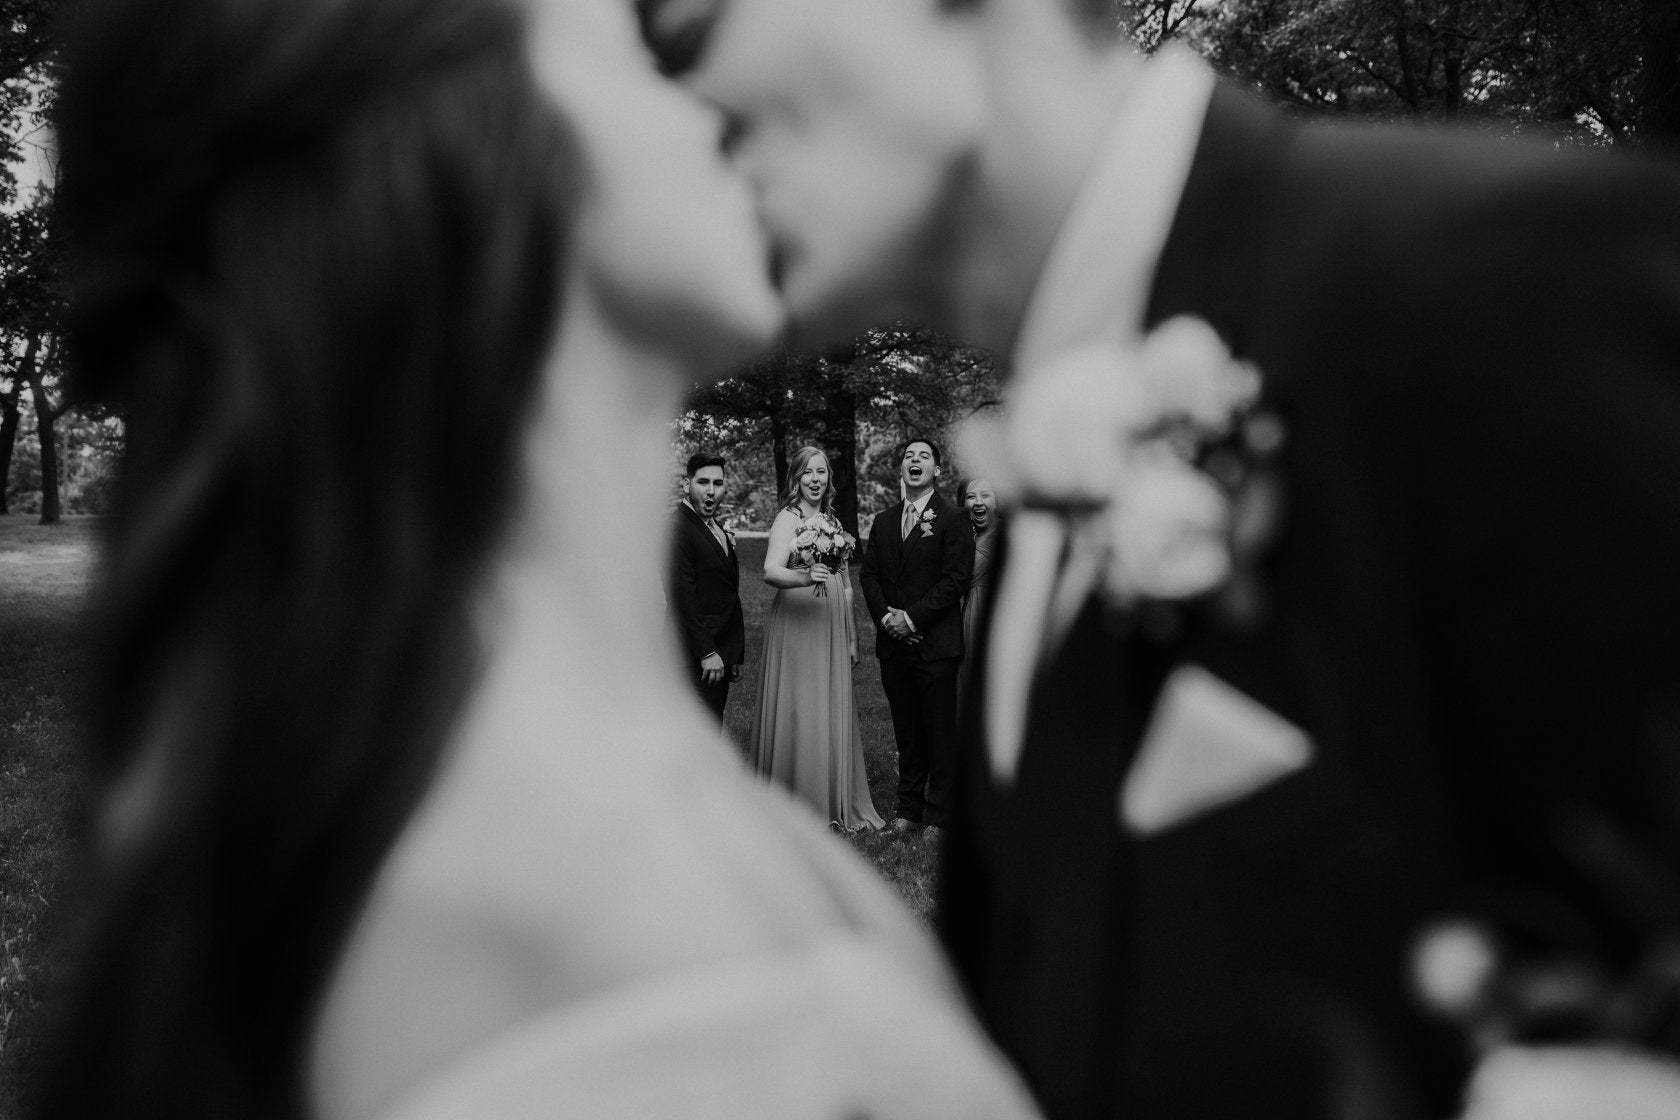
[
  {"x": 977, "y": 498},
  {"x": 805, "y": 731},
  {"x": 403, "y": 807}
]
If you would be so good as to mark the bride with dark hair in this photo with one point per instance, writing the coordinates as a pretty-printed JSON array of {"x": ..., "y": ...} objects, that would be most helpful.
[{"x": 403, "y": 809}]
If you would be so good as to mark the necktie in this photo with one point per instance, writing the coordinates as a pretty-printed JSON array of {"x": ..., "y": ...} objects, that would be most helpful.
[
  {"x": 717, "y": 531},
  {"x": 909, "y": 519}
]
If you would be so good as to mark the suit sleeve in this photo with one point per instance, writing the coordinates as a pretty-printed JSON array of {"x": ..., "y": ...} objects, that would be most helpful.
[
  {"x": 682, "y": 593},
  {"x": 956, "y": 567},
  {"x": 869, "y": 576}
]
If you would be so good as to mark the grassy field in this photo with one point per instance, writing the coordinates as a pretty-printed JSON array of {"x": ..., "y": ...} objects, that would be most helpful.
[
  {"x": 44, "y": 572},
  {"x": 44, "y": 575}
]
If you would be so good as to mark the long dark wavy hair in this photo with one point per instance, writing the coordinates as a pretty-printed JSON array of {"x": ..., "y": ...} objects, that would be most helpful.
[
  {"x": 796, "y": 467},
  {"x": 318, "y": 248}
]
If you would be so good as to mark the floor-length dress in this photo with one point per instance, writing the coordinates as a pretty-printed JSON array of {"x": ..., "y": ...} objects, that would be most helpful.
[{"x": 805, "y": 731}]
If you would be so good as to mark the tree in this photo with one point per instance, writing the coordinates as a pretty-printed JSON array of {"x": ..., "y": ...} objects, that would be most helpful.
[
  {"x": 1153, "y": 22},
  {"x": 1588, "y": 71},
  {"x": 28, "y": 41},
  {"x": 47, "y": 412},
  {"x": 901, "y": 378},
  {"x": 1660, "y": 44},
  {"x": 30, "y": 297},
  {"x": 31, "y": 322},
  {"x": 11, "y": 392},
  {"x": 909, "y": 381},
  {"x": 88, "y": 449}
]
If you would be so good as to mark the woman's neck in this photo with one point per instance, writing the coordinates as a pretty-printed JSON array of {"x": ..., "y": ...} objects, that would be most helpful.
[{"x": 580, "y": 582}]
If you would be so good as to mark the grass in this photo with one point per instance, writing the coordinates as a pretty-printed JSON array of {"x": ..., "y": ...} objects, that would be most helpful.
[
  {"x": 44, "y": 576},
  {"x": 44, "y": 571},
  {"x": 908, "y": 865}
]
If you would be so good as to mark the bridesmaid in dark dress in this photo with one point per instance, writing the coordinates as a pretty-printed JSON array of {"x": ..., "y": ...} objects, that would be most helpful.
[{"x": 977, "y": 498}]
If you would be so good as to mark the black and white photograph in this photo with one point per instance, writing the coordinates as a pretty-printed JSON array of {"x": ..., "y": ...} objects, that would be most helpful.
[{"x": 840, "y": 559}]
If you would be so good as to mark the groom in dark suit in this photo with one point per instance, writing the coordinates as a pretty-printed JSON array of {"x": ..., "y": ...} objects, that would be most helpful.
[
  {"x": 915, "y": 570},
  {"x": 1203, "y": 834},
  {"x": 702, "y": 585}
]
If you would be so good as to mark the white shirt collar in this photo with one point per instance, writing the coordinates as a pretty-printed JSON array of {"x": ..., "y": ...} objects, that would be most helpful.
[
  {"x": 920, "y": 503},
  {"x": 1096, "y": 280}
]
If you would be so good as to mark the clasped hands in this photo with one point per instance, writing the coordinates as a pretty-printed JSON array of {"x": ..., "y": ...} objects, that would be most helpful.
[
  {"x": 897, "y": 624},
  {"x": 712, "y": 670}
]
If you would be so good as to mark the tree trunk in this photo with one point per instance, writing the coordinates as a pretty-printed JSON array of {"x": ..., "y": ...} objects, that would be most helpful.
[
  {"x": 1659, "y": 35},
  {"x": 1408, "y": 73},
  {"x": 842, "y": 436},
  {"x": 1452, "y": 63},
  {"x": 9, "y": 411},
  {"x": 46, "y": 428},
  {"x": 779, "y": 449}
]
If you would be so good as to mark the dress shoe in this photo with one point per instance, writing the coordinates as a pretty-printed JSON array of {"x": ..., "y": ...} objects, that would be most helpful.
[{"x": 900, "y": 826}]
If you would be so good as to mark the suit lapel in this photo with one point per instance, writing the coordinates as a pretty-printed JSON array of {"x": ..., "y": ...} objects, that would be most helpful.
[
  {"x": 911, "y": 543},
  {"x": 1212, "y": 263},
  {"x": 903, "y": 545},
  {"x": 706, "y": 531}
]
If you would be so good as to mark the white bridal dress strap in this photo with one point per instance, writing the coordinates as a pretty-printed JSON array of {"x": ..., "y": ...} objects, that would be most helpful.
[{"x": 834, "y": 1032}]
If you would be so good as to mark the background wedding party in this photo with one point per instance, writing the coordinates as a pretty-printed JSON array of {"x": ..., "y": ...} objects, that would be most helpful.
[{"x": 908, "y": 558}]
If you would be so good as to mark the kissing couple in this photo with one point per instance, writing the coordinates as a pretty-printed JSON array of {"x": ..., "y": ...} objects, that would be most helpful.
[{"x": 1336, "y": 603}]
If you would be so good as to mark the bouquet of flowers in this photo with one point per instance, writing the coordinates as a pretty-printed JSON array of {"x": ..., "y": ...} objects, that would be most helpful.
[{"x": 820, "y": 539}]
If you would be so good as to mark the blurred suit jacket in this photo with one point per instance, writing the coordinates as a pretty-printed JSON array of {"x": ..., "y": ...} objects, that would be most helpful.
[{"x": 1473, "y": 611}]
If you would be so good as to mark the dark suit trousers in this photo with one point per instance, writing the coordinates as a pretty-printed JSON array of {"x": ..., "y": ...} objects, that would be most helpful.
[{"x": 923, "y": 698}]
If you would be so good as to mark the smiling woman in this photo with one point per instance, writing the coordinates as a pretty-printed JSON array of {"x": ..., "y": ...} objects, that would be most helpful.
[
  {"x": 404, "y": 809},
  {"x": 805, "y": 728}
]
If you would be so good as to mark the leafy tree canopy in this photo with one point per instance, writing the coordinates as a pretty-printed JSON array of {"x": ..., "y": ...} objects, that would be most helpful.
[
  {"x": 1588, "y": 71},
  {"x": 857, "y": 401}
]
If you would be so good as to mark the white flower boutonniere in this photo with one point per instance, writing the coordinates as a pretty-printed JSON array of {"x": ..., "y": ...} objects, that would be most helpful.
[
  {"x": 1148, "y": 451},
  {"x": 926, "y": 522}
]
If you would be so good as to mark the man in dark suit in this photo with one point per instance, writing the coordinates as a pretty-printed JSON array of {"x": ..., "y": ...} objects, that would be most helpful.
[
  {"x": 702, "y": 586},
  {"x": 915, "y": 570},
  {"x": 1199, "y": 839}
]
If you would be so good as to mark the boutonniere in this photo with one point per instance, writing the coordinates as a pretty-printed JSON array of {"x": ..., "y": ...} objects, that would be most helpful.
[
  {"x": 1157, "y": 456},
  {"x": 926, "y": 522}
]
